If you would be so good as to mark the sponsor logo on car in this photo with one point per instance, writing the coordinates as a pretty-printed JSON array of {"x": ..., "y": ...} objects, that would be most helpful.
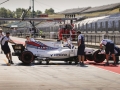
[{"x": 58, "y": 55}]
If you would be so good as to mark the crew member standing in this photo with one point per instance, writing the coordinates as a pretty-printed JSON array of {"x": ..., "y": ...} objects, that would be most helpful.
[
  {"x": 81, "y": 48},
  {"x": 5, "y": 47},
  {"x": 109, "y": 49}
]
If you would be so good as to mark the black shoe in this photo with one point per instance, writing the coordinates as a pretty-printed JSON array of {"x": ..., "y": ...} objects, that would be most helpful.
[
  {"x": 12, "y": 62},
  {"x": 82, "y": 63},
  {"x": 79, "y": 63},
  {"x": 114, "y": 63},
  {"x": 9, "y": 61},
  {"x": 106, "y": 64}
]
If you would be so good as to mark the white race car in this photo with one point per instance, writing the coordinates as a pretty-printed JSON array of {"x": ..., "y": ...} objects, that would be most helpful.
[{"x": 36, "y": 50}]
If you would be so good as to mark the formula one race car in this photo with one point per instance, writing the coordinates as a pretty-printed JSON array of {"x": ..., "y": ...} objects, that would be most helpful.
[
  {"x": 36, "y": 50},
  {"x": 40, "y": 51}
]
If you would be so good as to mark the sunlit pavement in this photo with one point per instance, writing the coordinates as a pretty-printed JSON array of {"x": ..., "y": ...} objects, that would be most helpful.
[{"x": 56, "y": 76}]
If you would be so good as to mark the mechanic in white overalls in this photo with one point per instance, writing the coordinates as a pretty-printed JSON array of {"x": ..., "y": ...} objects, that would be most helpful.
[
  {"x": 81, "y": 48},
  {"x": 109, "y": 49}
]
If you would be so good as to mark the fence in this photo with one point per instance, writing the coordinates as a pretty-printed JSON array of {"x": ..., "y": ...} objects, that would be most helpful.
[
  {"x": 99, "y": 27},
  {"x": 92, "y": 31},
  {"x": 95, "y": 39}
]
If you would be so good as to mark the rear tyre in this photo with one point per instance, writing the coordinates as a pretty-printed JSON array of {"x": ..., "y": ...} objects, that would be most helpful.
[{"x": 27, "y": 57}]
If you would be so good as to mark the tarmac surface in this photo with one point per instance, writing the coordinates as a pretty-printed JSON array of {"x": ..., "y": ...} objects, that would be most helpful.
[{"x": 56, "y": 76}]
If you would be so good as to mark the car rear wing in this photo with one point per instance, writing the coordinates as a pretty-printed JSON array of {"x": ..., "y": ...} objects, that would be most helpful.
[{"x": 18, "y": 48}]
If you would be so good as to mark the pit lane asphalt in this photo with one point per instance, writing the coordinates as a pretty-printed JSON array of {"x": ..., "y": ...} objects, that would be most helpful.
[{"x": 56, "y": 76}]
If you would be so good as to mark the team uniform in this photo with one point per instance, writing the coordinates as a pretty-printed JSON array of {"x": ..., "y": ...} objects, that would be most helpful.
[
  {"x": 109, "y": 46},
  {"x": 4, "y": 45},
  {"x": 81, "y": 48}
]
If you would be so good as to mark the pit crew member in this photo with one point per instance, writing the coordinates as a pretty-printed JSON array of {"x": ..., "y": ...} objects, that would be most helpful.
[
  {"x": 5, "y": 47},
  {"x": 81, "y": 48},
  {"x": 109, "y": 49}
]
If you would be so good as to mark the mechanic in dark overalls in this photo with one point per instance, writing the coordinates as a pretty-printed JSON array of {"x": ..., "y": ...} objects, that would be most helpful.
[
  {"x": 109, "y": 49},
  {"x": 5, "y": 47},
  {"x": 81, "y": 48}
]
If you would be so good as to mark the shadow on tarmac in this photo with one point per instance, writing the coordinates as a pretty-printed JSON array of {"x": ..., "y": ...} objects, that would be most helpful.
[
  {"x": 32, "y": 64},
  {"x": 102, "y": 64},
  {"x": 45, "y": 65},
  {"x": 87, "y": 63}
]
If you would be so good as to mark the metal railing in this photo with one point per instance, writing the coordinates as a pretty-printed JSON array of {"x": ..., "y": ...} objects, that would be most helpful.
[{"x": 95, "y": 39}]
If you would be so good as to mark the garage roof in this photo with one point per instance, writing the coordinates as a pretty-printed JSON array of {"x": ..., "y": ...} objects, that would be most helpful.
[
  {"x": 74, "y": 10},
  {"x": 102, "y": 8}
]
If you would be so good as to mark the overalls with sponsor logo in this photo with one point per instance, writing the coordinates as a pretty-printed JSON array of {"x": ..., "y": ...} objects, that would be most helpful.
[
  {"x": 5, "y": 47},
  {"x": 81, "y": 48}
]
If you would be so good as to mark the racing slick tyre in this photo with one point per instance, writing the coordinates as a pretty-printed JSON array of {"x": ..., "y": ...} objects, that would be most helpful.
[
  {"x": 27, "y": 57},
  {"x": 98, "y": 58}
]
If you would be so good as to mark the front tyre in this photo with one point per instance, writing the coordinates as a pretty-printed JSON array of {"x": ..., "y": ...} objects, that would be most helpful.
[{"x": 98, "y": 58}]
